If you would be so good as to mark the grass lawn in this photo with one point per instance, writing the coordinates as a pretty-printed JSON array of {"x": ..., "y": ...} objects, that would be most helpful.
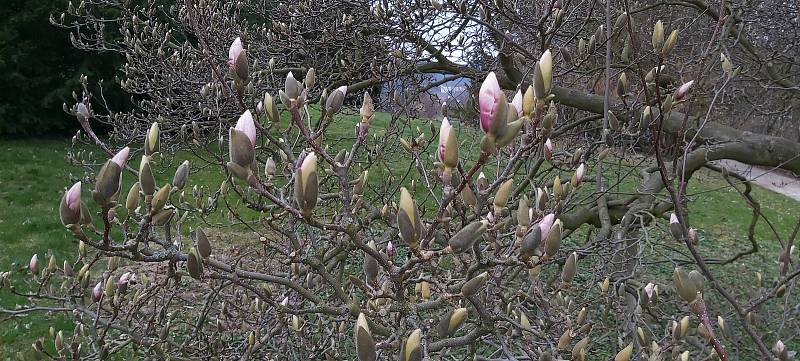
[{"x": 35, "y": 173}]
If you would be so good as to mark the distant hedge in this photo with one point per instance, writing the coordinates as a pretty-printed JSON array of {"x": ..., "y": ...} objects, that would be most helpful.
[{"x": 39, "y": 69}]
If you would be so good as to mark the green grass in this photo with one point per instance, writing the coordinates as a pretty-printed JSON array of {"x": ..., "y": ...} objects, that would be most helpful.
[{"x": 34, "y": 174}]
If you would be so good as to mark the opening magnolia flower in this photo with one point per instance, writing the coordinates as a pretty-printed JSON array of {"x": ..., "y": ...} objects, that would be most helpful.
[
  {"x": 546, "y": 224},
  {"x": 73, "y": 197},
  {"x": 246, "y": 125},
  {"x": 683, "y": 89},
  {"x": 121, "y": 158},
  {"x": 488, "y": 97},
  {"x": 234, "y": 52},
  {"x": 444, "y": 132},
  {"x": 516, "y": 102}
]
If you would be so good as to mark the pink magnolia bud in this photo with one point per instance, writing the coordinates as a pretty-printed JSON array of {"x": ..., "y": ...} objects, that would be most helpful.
[
  {"x": 342, "y": 89},
  {"x": 516, "y": 102},
  {"x": 390, "y": 249},
  {"x": 233, "y": 53},
  {"x": 444, "y": 132},
  {"x": 247, "y": 126},
  {"x": 33, "y": 266},
  {"x": 548, "y": 149},
  {"x": 488, "y": 97},
  {"x": 683, "y": 89},
  {"x": 97, "y": 291},
  {"x": 649, "y": 289},
  {"x": 121, "y": 158},
  {"x": 126, "y": 279},
  {"x": 580, "y": 173},
  {"x": 675, "y": 227},
  {"x": 73, "y": 197},
  {"x": 693, "y": 236},
  {"x": 546, "y": 224}
]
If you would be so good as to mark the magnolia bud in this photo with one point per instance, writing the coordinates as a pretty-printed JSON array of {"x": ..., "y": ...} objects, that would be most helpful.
[
  {"x": 109, "y": 178},
  {"x": 529, "y": 101},
  {"x": 451, "y": 321},
  {"x": 464, "y": 238},
  {"x": 686, "y": 288},
  {"x": 335, "y": 100},
  {"x": 161, "y": 198},
  {"x": 670, "y": 43},
  {"x": 33, "y": 265},
  {"x": 367, "y": 109},
  {"x": 97, "y": 292},
  {"x": 408, "y": 220},
  {"x": 181, "y": 174},
  {"x": 622, "y": 86},
  {"x": 543, "y": 75},
  {"x": 675, "y": 227},
  {"x": 548, "y": 149},
  {"x": 194, "y": 264},
  {"x": 203, "y": 243},
  {"x": 151, "y": 142},
  {"x": 411, "y": 348},
  {"x": 553, "y": 239},
  {"x": 570, "y": 268},
  {"x": 473, "y": 285},
  {"x": 658, "y": 36},
  {"x": 365, "y": 345},
  {"x": 306, "y": 184},
  {"x": 531, "y": 241},
  {"x": 390, "y": 249},
  {"x": 683, "y": 89},
  {"x": 310, "y": 79},
  {"x": 501, "y": 198},
  {"x": 132, "y": 201},
  {"x": 70, "y": 208},
  {"x": 625, "y": 354},
  {"x": 146, "y": 179}
]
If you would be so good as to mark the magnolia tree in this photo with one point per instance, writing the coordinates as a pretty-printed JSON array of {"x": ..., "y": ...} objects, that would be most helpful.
[{"x": 409, "y": 239}]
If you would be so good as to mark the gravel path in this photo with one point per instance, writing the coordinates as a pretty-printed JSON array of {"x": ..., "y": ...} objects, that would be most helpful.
[{"x": 771, "y": 179}]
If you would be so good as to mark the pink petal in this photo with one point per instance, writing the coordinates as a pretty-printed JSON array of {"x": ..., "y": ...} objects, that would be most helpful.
[
  {"x": 517, "y": 102},
  {"x": 342, "y": 89},
  {"x": 546, "y": 223},
  {"x": 247, "y": 126},
  {"x": 444, "y": 132},
  {"x": 74, "y": 197},
  {"x": 235, "y": 50},
  {"x": 487, "y": 99},
  {"x": 121, "y": 158}
]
